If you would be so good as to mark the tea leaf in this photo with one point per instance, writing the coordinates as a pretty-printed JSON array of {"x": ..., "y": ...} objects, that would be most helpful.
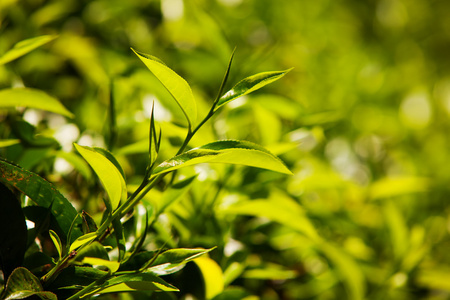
[
  {"x": 31, "y": 98},
  {"x": 228, "y": 151},
  {"x": 83, "y": 240},
  {"x": 108, "y": 174},
  {"x": 250, "y": 84},
  {"x": 174, "y": 83},
  {"x": 56, "y": 242},
  {"x": 25, "y": 46},
  {"x": 212, "y": 276},
  {"x": 22, "y": 284}
]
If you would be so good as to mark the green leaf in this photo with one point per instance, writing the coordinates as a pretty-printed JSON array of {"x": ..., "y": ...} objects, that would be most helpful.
[
  {"x": 26, "y": 132},
  {"x": 250, "y": 84},
  {"x": 228, "y": 151},
  {"x": 212, "y": 276},
  {"x": 23, "y": 284},
  {"x": 113, "y": 266},
  {"x": 32, "y": 98},
  {"x": 25, "y": 46},
  {"x": 168, "y": 261},
  {"x": 108, "y": 173},
  {"x": 13, "y": 232},
  {"x": 134, "y": 282},
  {"x": 111, "y": 158},
  {"x": 9, "y": 142},
  {"x": 56, "y": 242},
  {"x": 77, "y": 162},
  {"x": 174, "y": 193},
  {"x": 83, "y": 240},
  {"x": 42, "y": 193},
  {"x": 175, "y": 85},
  {"x": 153, "y": 147}
]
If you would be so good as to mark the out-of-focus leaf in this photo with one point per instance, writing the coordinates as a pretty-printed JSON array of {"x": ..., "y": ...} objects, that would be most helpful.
[
  {"x": 436, "y": 278},
  {"x": 23, "y": 284},
  {"x": 397, "y": 228},
  {"x": 25, "y": 46},
  {"x": 175, "y": 85},
  {"x": 31, "y": 98},
  {"x": 390, "y": 187},
  {"x": 235, "y": 293},
  {"x": 212, "y": 276},
  {"x": 174, "y": 193},
  {"x": 77, "y": 162},
  {"x": 13, "y": 232},
  {"x": 26, "y": 132},
  {"x": 113, "y": 266},
  {"x": 108, "y": 174},
  {"x": 250, "y": 84},
  {"x": 284, "y": 211},
  {"x": 228, "y": 151},
  {"x": 349, "y": 270},
  {"x": 8, "y": 142},
  {"x": 83, "y": 240},
  {"x": 270, "y": 273},
  {"x": 42, "y": 193},
  {"x": 57, "y": 242}
]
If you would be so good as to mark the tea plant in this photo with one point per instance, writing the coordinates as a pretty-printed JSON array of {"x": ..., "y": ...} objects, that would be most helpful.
[{"x": 88, "y": 258}]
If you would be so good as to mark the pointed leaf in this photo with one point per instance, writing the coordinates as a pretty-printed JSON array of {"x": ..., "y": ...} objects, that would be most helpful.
[
  {"x": 250, "y": 84},
  {"x": 175, "y": 85},
  {"x": 31, "y": 98},
  {"x": 228, "y": 151},
  {"x": 108, "y": 174},
  {"x": 113, "y": 266},
  {"x": 25, "y": 46},
  {"x": 56, "y": 242},
  {"x": 83, "y": 240},
  {"x": 169, "y": 261},
  {"x": 42, "y": 193}
]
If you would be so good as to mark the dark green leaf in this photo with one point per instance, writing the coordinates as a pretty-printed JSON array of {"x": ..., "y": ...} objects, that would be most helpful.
[
  {"x": 250, "y": 84},
  {"x": 42, "y": 193},
  {"x": 26, "y": 133},
  {"x": 23, "y": 284},
  {"x": 13, "y": 232},
  {"x": 228, "y": 151}
]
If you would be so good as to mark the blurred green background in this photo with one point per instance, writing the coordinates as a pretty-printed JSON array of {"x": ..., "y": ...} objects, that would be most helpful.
[{"x": 362, "y": 121}]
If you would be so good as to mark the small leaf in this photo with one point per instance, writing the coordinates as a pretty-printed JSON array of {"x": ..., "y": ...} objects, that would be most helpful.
[
  {"x": 56, "y": 242},
  {"x": 228, "y": 151},
  {"x": 212, "y": 276},
  {"x": 23, "y": 284},
  {"x": 250, "y": 84},
  {"x": 153, "y": 147},
  {"x": 13, "y": 232},
  {"x": 88, "y": 224},
  {"x": 175, "y": 85},
  {"x": 32, "y": 98},
  {"x": 9, "y": 142},
  {"x": 171, "y": 259},
  {"x": 42, "y": 193},
  {"x": 83, "y": 240},
  {"x": 113, "y": 266},
  {"x": 25, "y": 46},
  {"x": 108, "y": 174}
]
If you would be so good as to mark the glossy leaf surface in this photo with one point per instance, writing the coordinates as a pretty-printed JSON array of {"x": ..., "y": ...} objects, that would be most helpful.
[
  {"x": 108, "y": 174},
  {"x": 113, "y": 266},
  {"x": 250, "y": 84},
  {"x": 31, "y": 98},
  {"x": 175, "y": 85},
  {"x": 42, "y": 193},
  {"x": 25, "y": 46},
  {"x": 83, "y": 240},
  {"x": 228, "y": 151},
  {"x": 57, "y": 242},
  {"x": 23, "y": 284}
]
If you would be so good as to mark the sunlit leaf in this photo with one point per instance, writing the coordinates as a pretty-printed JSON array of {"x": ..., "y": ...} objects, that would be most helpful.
[
  {"x": 42, "y": 193},
  {"x": 250, "y": 84},
  {"x": 175, "y": 85},
  {"x": 31, "y": 98},
  {"x": 108, "y": 174},
  {"x": 57, "y": 242},
  {"x": 228, "y": 151},
  {"x": 270, "y": 273},
  {"x": 25, "y": 46},
  {"x": 174, "y": 257},
  {"x": 212, "y": 276},
  {"x": 83, "y": 240},
  {"x": 113, "y": 266},
  {"x": 23, "y": 284},
  {"x": 395, "y": 186},
  {"x": 8, "y": 142}
]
